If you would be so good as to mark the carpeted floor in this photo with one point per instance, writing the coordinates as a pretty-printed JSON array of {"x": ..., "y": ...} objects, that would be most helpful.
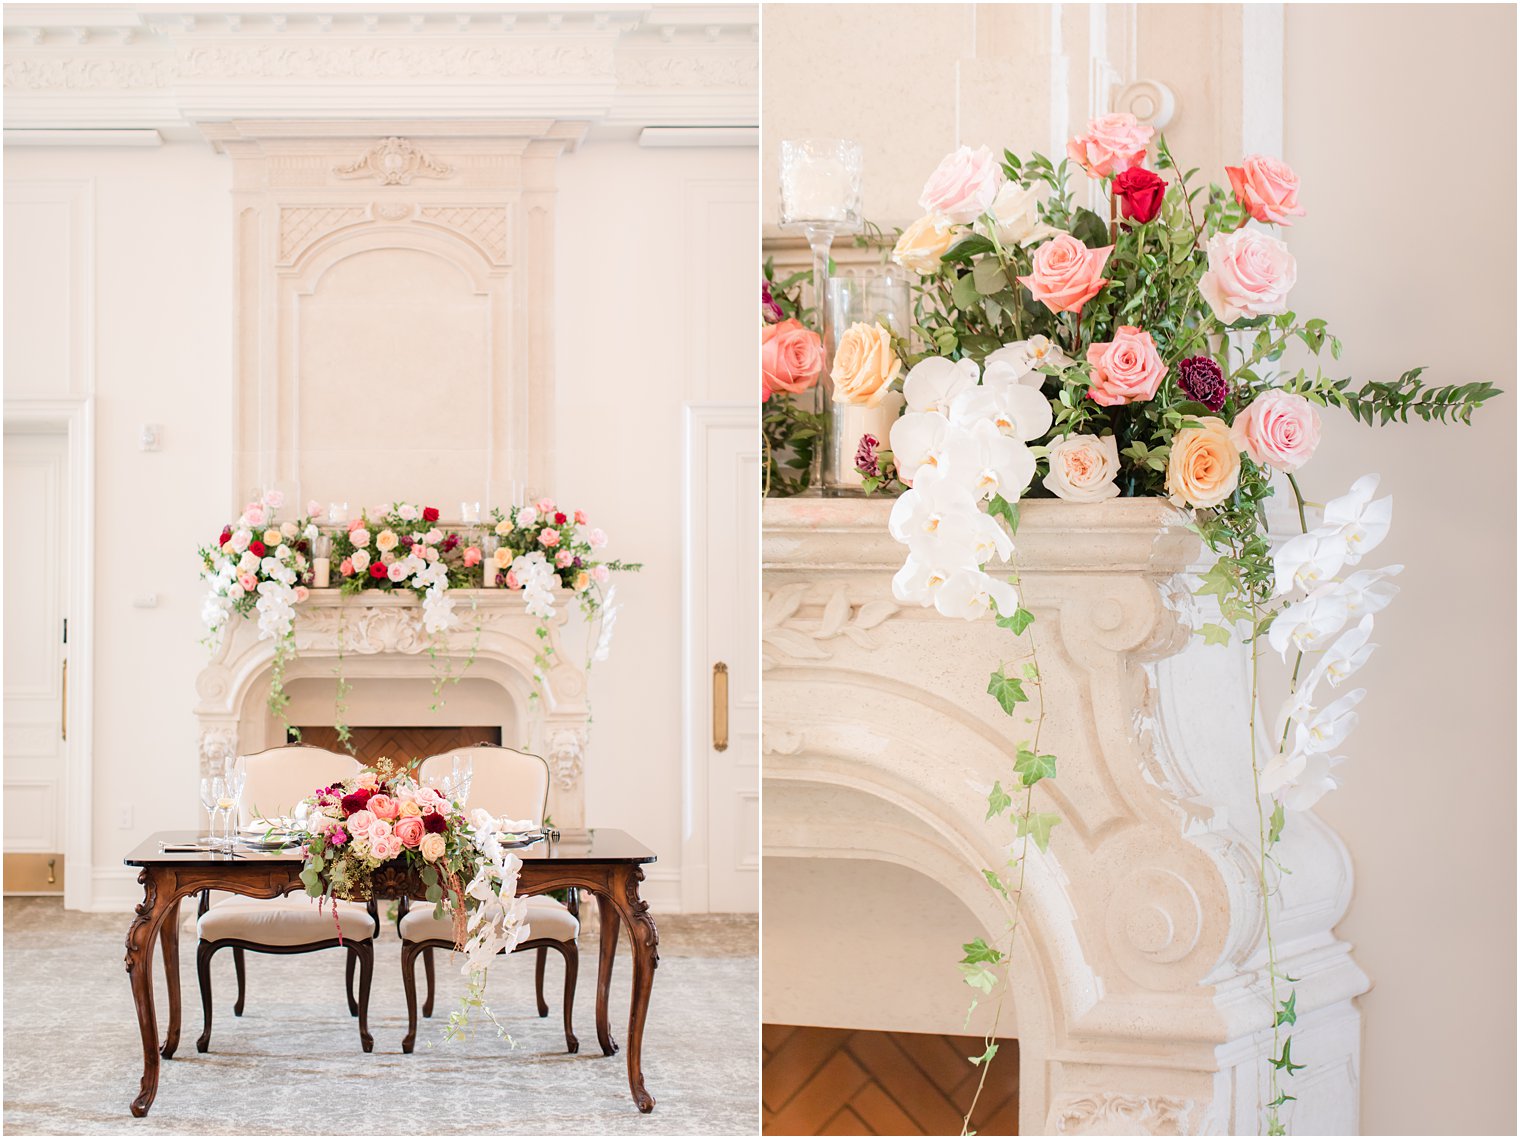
[{"x": 292, "y": 1063}]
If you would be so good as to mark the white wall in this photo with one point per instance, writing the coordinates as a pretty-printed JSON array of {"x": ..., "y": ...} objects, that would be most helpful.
[
  {"x": 628, "y": 306},
  {"x": 1428, "y": 801}
]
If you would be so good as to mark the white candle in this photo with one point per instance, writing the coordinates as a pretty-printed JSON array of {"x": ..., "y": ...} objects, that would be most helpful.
[
  {"x": 320, "y": 569},
  {"x": 469, "y": 513},
  {"x": 337, "y": 513}
]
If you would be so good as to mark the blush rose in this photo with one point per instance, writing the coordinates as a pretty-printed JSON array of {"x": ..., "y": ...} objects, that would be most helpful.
[
  {"x": 1126, "y": 369},
  {"x": 1112, "y": 144},
  {"x": 1083, "y": 468},
  {"x": 964, "y": 185},
  {"x": 1266, "y": 189},
  {"x": 1250, "y": 274},
  {"x": 410, "y": 830},
  {"x": 1279, "y": 430}
]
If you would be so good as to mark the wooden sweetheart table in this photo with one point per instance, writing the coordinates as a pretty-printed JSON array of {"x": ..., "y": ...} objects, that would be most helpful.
[{"x": 609, "y": 863}]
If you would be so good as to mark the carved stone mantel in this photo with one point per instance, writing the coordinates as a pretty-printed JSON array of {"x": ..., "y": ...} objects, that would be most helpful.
[
  {"x": 1139, "y": 979},
  {"x": 380, "y": 637}
]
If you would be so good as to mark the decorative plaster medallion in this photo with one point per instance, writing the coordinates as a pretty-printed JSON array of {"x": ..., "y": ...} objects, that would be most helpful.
[
  {"x": 1105, "y": 1113},
  {"x": 394, "y": 162},
  {"x": 369, "y": 630}
]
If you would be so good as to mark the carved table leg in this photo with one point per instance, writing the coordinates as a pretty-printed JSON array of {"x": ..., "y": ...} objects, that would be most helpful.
[
  {"x": 607, "y": 912},
  {"x": 168, "y": 936},
  {"x": 158, "y": 900},
  {"x": 646, "y": 957}
]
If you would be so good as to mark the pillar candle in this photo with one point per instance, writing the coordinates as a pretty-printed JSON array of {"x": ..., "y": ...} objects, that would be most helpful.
[{"x": 320, "y": 568}]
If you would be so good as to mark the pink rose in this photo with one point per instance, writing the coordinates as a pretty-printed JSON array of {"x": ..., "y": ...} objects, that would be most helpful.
[
  {"x": 355, "y": 524},
  {"x": 274, "y": 499},
  {"x": 600, "y": 574},
  {"x": 791, "y": 358},
  {"x": 1113, "y": 143},
  {"x": 580, "y": 517},
  {"x": 472, "y": 555},
  {"x": 410, "y": 830},
  {"x": 313, "y": 508},
  {"x": 385, "y": 847},
  {"x": 549, "y": 537},
  {"x": 1279, "y": 430},
  {"x": 597, "y": 539},
  {"x": 1249, "y": 274},
  {"x": 248, "y": 582},
  {"x": 253, "y": 514},
  {"x": 432, "y": 847},
  {"x": 384, "y": 807},
  {"x": 429, "y": 799},
  {"x": 302, "y": 593},
  {"x": 367, "y": 779},
  {"x": 376, "y": 830},
  {"x": 360, "y": 821},
  {"x": 1065, "y": 274},
  {"x": 1127, "y": 369},
  {"x": 545, "y": 505},
  {"x": 964, "y": 185},
  {"x": 563, "y": 558},
  {"x": 512, "y": 582},
  {"x": 1266, "y": 188},
  {"x": 346, "y": 567}
]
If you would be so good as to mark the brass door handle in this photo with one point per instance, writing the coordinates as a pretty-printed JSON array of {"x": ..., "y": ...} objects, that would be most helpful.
[
  {"x": 720, "y": 706},
  {"x": 63, "y": 713}
]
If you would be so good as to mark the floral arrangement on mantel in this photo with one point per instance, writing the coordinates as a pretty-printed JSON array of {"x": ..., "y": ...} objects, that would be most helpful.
[
  {"x": 791, "y": 360},
  {"x": 385, "y": 821},
  {"x": 259, "y": 565},
  {"x": 1061, "y": 353}
]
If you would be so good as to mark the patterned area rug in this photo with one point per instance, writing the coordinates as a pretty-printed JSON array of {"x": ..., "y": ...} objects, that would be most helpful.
[{"x": 292, "y": 1063}]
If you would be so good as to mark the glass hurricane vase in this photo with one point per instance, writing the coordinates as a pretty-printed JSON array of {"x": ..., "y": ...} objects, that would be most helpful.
[{"x": 852, "y": 301}]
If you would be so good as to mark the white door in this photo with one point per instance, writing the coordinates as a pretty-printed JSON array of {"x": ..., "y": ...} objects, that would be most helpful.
[
  {"x": 721, "y": 842},
  {"x": 36, "y": 494}
]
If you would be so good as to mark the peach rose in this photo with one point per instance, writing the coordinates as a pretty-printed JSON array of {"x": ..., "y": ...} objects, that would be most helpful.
[
  {"x": 410, "y": 830},
  {"x": 1065, "y": 274},
  {"x": 1278, "y": 430},
  {"x": 791, "y": 357},
  {"x": 409, "y": 809},
  {"x": 1126, "y": 369},
  {"x": 1204, "y": 466},
  {"x": 384, "y": 807},
  {"x": 923, "y": 243},
  {"x": 1266, "y": 188},
  {"x": 432, "y": 847},
  {"x": 964, "y": 185},
  {"x": 1083, "y": 468},
  {"x": 1249, "y": 274},
  {"x": 1113, "y": 143},
  {"x": 503, "y": 557},
  {"x": 864, "y": 365}
]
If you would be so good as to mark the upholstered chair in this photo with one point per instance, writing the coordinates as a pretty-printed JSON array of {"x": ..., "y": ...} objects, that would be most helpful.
[
  {"x": 276, "y": 780},
  {"x": 507, "y": 783}
]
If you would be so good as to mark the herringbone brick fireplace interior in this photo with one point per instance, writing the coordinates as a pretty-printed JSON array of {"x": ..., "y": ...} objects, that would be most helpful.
[
  {"x": 400, "y": 745},
  {"x": 836, "y": 1081}
]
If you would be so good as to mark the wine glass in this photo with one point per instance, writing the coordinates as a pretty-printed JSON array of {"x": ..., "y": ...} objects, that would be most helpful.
[
  {"x": 459, "y": 778},
  {"x": 210, "y": 793}
]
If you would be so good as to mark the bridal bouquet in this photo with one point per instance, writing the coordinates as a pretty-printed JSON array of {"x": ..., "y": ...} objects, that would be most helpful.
[{"x": 353, "y": 829}]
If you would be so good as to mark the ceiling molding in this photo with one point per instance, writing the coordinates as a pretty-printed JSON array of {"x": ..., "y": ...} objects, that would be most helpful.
[{"x": 111, "y": 67}]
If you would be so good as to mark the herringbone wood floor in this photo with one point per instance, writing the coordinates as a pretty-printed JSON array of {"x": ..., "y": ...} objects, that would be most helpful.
[
  {"x": 834, "y": 1081},
  {"x": 400, "y": 745}
]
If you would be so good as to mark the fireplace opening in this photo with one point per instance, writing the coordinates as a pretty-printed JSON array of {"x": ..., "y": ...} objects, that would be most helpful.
[
  {"x": 400, "y": 745},
  {"x": 840, "y": 1081}
]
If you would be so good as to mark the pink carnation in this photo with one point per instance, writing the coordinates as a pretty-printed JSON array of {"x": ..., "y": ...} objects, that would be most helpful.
[{"x": 337, "y": 836}]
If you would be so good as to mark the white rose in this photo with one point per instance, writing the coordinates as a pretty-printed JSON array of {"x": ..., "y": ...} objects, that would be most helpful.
[
  {"x": 1083, "y": 468},
  {"x": 240, "y": 540},
  {"x": 1018, "y": 221},
  {"x": 398, "y": 571},
  {"x": 248, "y": 562},
  {"x": 433, "y": 536},
  {"x": 526, "y": 516},
  {"x": 408, "y": 512},
  {"x": 288, "y": 529},
  {"x": 359, "y": 559}
]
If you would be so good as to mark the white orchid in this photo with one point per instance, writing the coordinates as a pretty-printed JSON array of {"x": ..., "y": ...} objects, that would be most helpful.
[
  {"x": 1307, "y": 561},
  {"x": 1362, "y": 522},
  {"x": 971, "y": 594},
  {"x": 1303, "y": 782},
  {"x": 1016, "y": 410},
  {"x": 1368, "y": 591},
  {"x": 1026, "y": 356},
  {"x": 1349, "y": 652},
  {"x": 986, "y": 462},
  {"x": 1308, "y": 624},
  {"x": 918, "y": 440},
  {"x": 931, "y": 384},
  {"x": 940, "y": 522},
  {"x": 919, "y": 582},
  {"x": 1330, "y": 726}
]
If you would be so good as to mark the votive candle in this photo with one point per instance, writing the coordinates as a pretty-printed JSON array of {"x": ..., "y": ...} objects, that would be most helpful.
[{"x": 321, "y": 570}]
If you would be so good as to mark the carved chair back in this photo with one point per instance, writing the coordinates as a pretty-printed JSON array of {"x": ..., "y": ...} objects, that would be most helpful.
[
  {"x": 280, "y": 777},
  {"x": 503, "y": 780}
]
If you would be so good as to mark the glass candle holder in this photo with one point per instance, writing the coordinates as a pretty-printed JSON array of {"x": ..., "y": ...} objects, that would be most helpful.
[
  {"x": 821, "y": 182},
  {"x": 852, "y": 301},
  {"x": 469, "y": 513},
  {"x": 337, "y": 514}
]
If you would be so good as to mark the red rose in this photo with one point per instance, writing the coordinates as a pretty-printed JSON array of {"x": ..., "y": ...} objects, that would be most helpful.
[
  {"x": 430, "y": 514},
  {"x": 377, "y": 570},
  {"x": 357, "y": 801},
  {"x": 1139, "y": 192},
  {"x": 435, "y": 824},
  {"x": 256, "y": 549},
  {"x": 560, "y": 519},
  {"x": 226, "y": 534}
]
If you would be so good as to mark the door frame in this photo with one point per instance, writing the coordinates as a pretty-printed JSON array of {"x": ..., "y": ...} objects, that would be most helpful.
[
  {"x": 75, "y": 418},
  {"x": 700, "y": 419}
]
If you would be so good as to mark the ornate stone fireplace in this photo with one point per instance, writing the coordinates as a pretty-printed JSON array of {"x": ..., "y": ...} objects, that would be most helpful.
[
  {"x": 1138, "y": 983},
  {"x": 385, "y": 655}
]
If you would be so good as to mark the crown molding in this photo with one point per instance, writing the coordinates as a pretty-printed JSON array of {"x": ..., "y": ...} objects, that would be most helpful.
[{"x": 113, "y": 68}]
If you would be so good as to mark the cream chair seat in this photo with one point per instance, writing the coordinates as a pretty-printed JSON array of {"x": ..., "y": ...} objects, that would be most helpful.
[
  {"x": 275, "y": 780},
  {"x": 515, "y": 785}
]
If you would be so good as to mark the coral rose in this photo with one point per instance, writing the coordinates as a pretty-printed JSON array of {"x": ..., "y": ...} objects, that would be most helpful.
[
  {"x": 1266, "y": 188},
  {"x": 384, "y": 807},
  {"x": 1065, "y": 274},
  {"x": 1204, "y": 466},
  {"x": 864, "y": 365},
  {"x": 923, "y": 243},
  {"x": 1126, "y": 369},
  {"x": 410, "y": 830},
  {"x": 432, "y": 847},
  {"x": 1278, "y": 430},
  {"x": 1249, "y": 274},
  {"x": 1113, "y": 143},
  {"x": 791, "y": 357},
  {"x": 1083, "y": 468},
  {"x": 964, "y": 185},
  {"x": 471, "y": 556}
]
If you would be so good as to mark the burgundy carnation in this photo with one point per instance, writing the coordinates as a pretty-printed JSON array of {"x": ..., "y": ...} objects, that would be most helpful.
[
  {"x": 865, "y": 456},
  {"x": 450, "y": 542},
  {"x": 1203, "y": 380},
  {"x": 770, "y": 311},
  {"x": 356, "y": 801},
  {"x": 435, "y": 824},
  {"x": 430, "y": 514},
  {"x": 1139, "y": 192}
]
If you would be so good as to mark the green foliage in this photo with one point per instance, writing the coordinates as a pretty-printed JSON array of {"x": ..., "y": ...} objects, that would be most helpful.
[
  {"x": 1382, "y": 403},
  {"x": 998, "y": 800},
  {"x": 1284, "y": 1063},
  {"x": 1018, "y": 622},
  {"x": 985, "y": 1057},
  {"x": 1032, "y": 768},
  {"x": 1214, "y": 634},
  {"x": 1000, "y": 507},
  {"x": 1037, "y": 825},
  {"x": 1008, "y": 691},
  {"x": 1288, "y": 1013},
  {"x": 793, "y": 435}
]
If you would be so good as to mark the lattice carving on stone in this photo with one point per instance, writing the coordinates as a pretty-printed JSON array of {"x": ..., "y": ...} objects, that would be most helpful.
[
  {"x": 303, "y": 226},
  {"x": 484, "y": 225}
]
